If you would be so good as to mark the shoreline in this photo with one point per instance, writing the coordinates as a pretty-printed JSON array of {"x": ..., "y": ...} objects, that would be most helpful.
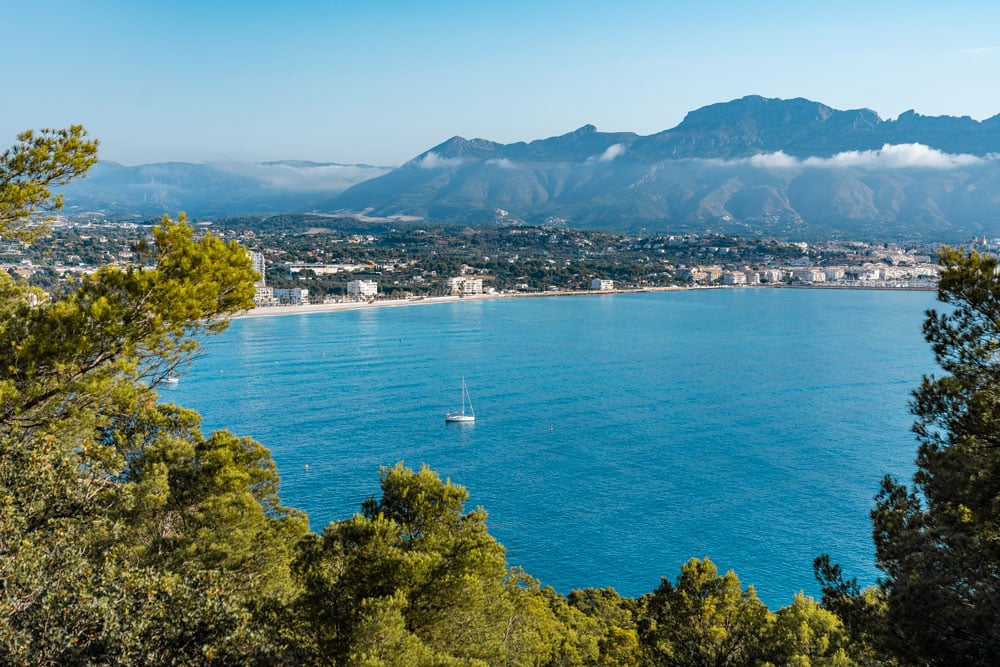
[
  {"x": 270, "y": 311},
  {"x": 274, "y": 311}
]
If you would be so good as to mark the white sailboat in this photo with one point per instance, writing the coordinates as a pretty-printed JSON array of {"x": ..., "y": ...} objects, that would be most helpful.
[{"x": 460, "y": 416}]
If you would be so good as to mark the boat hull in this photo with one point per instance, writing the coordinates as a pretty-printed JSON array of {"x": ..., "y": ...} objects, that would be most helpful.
[{"x": 459, "y": 418}]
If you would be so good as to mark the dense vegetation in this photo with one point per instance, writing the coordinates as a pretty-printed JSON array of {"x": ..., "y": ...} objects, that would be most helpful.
[{"x": 127, "y": 536}]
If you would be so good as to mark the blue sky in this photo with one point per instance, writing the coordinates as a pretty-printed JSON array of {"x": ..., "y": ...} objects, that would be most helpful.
[{"x": 379, "y": 82}]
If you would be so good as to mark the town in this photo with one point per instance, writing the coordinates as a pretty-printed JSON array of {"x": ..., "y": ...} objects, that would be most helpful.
[{"x": 306, "y": 259}]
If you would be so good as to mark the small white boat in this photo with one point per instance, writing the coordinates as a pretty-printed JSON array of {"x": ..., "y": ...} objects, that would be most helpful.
[
  {"x": 171, "y": 381},
  {"x": 459, "y": 417}
]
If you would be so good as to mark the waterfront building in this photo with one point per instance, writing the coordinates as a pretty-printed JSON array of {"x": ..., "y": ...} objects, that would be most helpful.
[
  {"x": 362, "y": 288},
  {"x": 295, "y": 296},
  {"x": 602, "y": 285},
  {"x": 809, "y": 275},
  {"x": 734, "y": 278},
  {"x": 834, "y": 272},
  {"x": 772, "y": 276},
  {"x": 462, "y": 285},
  {"x": 713, "y": 273},
  {"x": 693, "y": 275},
  {"x": 264, "y": 296}
]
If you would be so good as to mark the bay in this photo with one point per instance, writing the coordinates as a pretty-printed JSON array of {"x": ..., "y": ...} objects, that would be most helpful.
[{"x": 616, "y": 437}]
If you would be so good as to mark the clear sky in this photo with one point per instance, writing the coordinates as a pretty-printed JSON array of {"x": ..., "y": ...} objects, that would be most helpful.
[{"x": 380, "y": 81}]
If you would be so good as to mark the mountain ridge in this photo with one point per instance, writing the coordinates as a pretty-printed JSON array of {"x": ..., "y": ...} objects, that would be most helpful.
[
  {"x": 748, "y": 166},
  {"x": 790, "y": 168}
]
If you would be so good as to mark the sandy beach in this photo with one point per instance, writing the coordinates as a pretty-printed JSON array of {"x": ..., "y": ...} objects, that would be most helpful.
[{"x": 269, "y": 311}]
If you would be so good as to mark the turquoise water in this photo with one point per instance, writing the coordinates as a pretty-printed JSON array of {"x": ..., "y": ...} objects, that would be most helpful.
[{"x": 616, "y": 436}]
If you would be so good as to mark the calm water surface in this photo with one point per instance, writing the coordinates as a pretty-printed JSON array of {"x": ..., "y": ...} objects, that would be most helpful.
[{"x": 616, "y": 436}]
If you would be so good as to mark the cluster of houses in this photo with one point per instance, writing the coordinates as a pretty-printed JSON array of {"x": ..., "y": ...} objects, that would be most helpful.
[{"x": 870, "y": 274}]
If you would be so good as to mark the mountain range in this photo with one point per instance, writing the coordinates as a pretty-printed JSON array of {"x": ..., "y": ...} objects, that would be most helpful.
[{"x": 793, "y": 169}]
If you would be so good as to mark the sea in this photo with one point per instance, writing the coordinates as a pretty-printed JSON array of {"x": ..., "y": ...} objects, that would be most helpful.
[{"x": 616, "y": 436}]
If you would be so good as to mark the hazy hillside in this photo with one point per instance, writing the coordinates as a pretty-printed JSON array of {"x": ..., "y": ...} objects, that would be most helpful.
[{"x": 210, "y": 190}]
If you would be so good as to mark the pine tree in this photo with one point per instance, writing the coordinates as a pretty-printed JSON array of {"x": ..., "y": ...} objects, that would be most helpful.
[
  {"x": 939, "y": 541},
  {"x": 126, "y": 535}
]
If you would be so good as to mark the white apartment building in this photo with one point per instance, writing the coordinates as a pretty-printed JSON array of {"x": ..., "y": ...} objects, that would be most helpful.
[
  {"x": 362, "y": 288},
  {"x": 462, "y": 285},
  {"x": 772, "y": 276},
  {"x": 295, "y": 296},
  {"x": 602, "y": 285},
  {"x": 692, "y": 275},
  {"x": 323, "y": 269},
  {"x": 264, "y": 296},
  {"x": 257, "y": 260},
  {"x": 809, "y": 275},
  {"x": 734, "y": 278}
]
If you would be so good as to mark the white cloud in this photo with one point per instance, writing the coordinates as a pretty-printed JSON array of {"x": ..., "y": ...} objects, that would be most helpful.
[
  {"x": 899, "y": 156},
  {"x": 609, "y": 154},
  {"x": 299, "y": 178},
  {"x": 434, "y": 161},
  {"x": 502, "y": 162},
  {"x": 890, "y": 156},
  {"x": 779, "y": 160},
  {"x": 612, "y": 152}
]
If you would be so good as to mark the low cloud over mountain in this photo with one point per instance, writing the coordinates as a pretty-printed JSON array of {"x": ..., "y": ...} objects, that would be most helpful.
[
  {"x": 207, "y": 190},
  {"x": 302, "y": 176},
  {"x": 901, "y": 156}
]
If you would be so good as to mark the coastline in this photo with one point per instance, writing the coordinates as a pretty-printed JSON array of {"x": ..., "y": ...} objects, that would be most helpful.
[{"x": 273, "y": 311}]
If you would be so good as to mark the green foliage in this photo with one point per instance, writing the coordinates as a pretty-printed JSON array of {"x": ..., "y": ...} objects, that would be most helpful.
[
  {"x": 125, "y": 534},
  {"x": 806, "y": 635},
  {"x": 939, "y": 543},
  {"x": 614, "y": 619},
  {"x": 415, "y": 559},
  {"x": 704, "y": 619},
  {"x": 119, "y": 327},
  {"x": 29, "y": 169},
  {"x": 862, "y": 611}
]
